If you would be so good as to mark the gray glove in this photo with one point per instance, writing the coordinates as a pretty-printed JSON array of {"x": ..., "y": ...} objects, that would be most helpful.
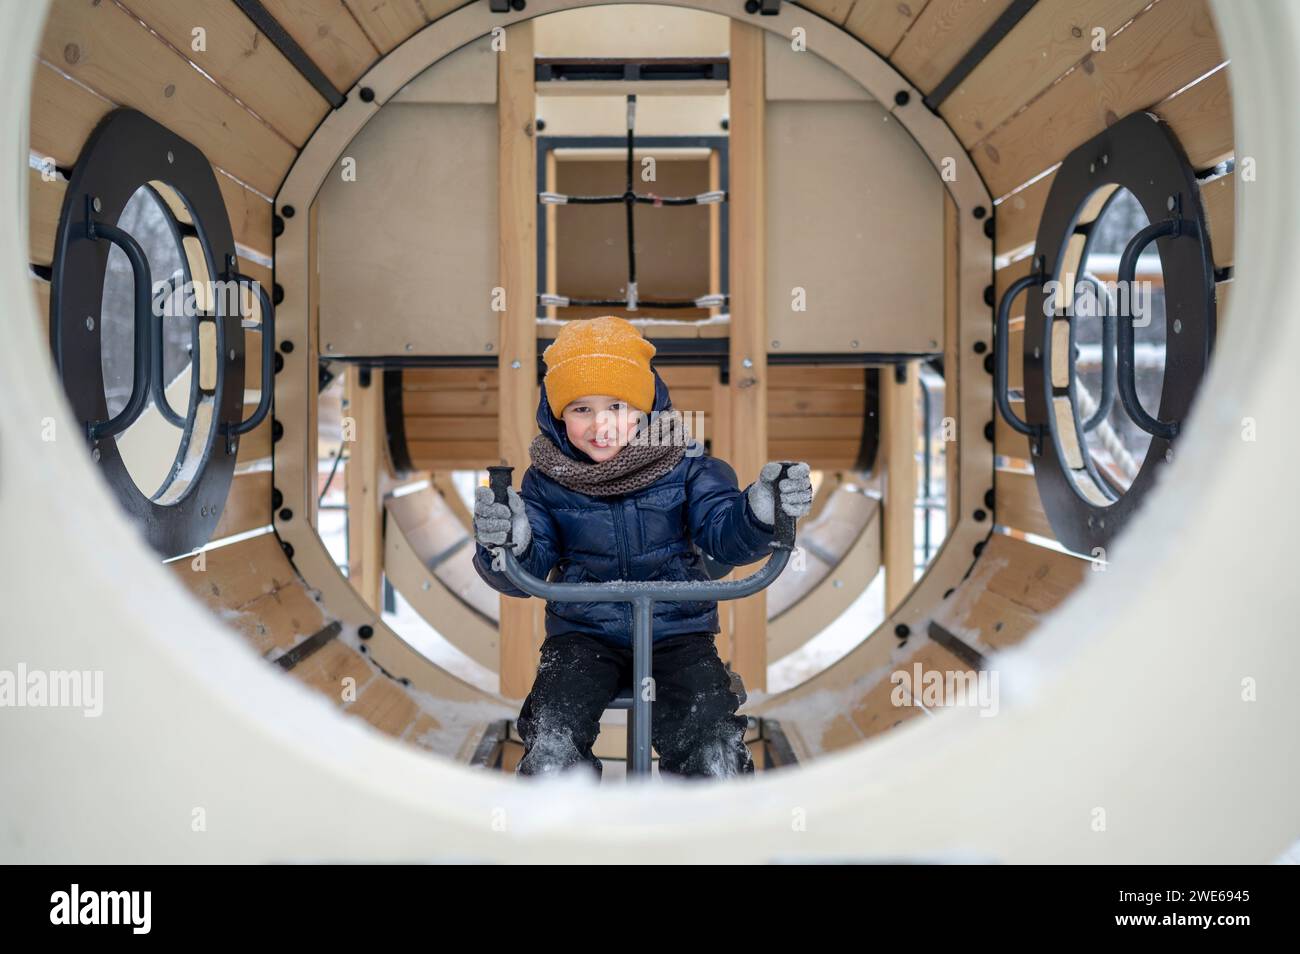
[
  {"x": 492, "y": 520},
  {"x": 795, "y": 490}
]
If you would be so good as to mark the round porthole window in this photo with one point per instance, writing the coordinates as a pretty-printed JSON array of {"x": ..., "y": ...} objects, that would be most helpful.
[
  {"x": 1119, "y": 325},
  {"x": 146, "y": 326}
]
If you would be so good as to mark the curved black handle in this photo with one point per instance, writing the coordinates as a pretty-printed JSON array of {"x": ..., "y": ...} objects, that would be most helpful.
[
  {"x": 1000, "y": 348},
  {"x": 1124, "y": 330},
  {"x": 268, "y": 353},
  {"x": 1107, "y": 399},
  {"x": 140, "y": 373},
  {"x": 499, "y": 479},
  {"x": 156, "y": 385},
  {"x": 783, "y": 523}
]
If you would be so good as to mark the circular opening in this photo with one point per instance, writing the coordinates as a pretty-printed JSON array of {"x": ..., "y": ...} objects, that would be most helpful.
[
  {"x": 153, "y": 445},
  {"x": 1110, "y": 448}
]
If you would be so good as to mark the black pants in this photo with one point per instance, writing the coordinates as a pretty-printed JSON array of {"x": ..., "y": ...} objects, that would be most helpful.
[{"x": 694, "y": 726}]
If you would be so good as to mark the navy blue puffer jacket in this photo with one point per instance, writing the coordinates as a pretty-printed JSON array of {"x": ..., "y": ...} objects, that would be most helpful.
[{"x": 644, "y": 535}]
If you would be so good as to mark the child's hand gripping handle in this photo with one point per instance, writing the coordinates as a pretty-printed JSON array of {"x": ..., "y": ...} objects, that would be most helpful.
[
  {"x": 784, "y": 522},
  {"x": 499, "y": 479}
]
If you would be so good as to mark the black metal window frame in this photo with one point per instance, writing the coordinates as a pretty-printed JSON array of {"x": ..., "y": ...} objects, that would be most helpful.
[
  {"x": 125, "y": 152},
  {"x": 1140, "y": 154}
]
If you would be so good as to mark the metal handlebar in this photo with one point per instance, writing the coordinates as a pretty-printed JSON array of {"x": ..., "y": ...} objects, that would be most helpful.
[
  {"x": 1000, "y": 348},
  {"x": 268, "y": 351},
  {"x": 1125, "y": 337},
  {"x": 156, "y": 384},
  {"x": 1107, "y": 399},
  {"x": 642, "y": 594}
]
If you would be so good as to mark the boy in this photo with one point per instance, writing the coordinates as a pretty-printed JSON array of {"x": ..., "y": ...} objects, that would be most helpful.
[{"x": 615, "y": 495}]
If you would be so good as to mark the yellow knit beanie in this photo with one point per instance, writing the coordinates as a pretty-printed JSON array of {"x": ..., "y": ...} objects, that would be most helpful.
[{"x": 605, "y": 355}]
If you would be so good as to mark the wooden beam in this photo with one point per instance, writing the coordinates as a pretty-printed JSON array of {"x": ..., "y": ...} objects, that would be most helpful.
[
  {"x": 365, "y": 409},
  {"x": 521, "y": 632},
  {"x": 898, "y": 438},
  {"x": 748, "y": 359}
]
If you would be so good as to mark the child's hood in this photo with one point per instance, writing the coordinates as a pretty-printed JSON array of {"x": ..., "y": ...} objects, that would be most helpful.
[{"x": 554, "y": 428}]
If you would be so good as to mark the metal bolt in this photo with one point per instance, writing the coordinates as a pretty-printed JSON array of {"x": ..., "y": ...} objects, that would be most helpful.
[
  {"x": 488, "y": 346},
  {"x": 838, "y": 584},
  {"x": 1178, "y": 325},
  {"x": 515, "y": 364},
  {"x": 1092, "y": 167},
  {"x": 170, "y": 158},
  {"x": 1171, "y": 202},
  {"x": 1038, "y": 353},
  {"x": 409, "y": 346},
  {"x": 853, "y": 343},
  {"x": 775, "y": 343},
  {"x": 232, "y": 354},
  {"x": 328, "y": 346},
  {"x": 1105, "y": 159},
  {"x": 94, "y": 454},
  {"x": 1169, "y": 455},
  {"x": 97, "y": 205},
  {"x": 90, "y": 323},
  {"x": 747, "y": 363},
  {"x": 424, "y": 585}
]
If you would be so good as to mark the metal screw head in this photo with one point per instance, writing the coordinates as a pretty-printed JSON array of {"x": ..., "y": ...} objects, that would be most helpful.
[
  {"x": 853, "y": 343},
  {"x": 1038, "y": 353},
  {"x": 410, "y": 347},
  {"x": 1105, "y": 160},
  {"x": 1169, "y": 455},
  {"x": 94, "y": 454},
  {"x": 1178, "y": 325},
  {"x": 775, "y": 343},
  {"x": 424, "y": 585},
  {"x": 328, "y": 346},
  {"x": 838, "y": 584},
  {"x": 170, "y": 157},
  {"x": 90, "y": 323},
  {"x": 488, "y": 346},
  {"x": 1171, "y": 202},
  {"x": 747, "y": 363},
  {"x": 97, "y": 205},
  {"x": 232, "y": 354},
  {"x": 515, "y": 364},
  {"x": 1092, "y": 167}
]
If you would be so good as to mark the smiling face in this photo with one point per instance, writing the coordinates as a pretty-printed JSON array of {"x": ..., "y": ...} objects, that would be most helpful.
[{"x": 600, "y": 425}]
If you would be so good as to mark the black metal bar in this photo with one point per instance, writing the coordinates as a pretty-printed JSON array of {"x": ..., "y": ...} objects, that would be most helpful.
[
  {"x": 963, "y": 651},
  {"x": 309, "y": 645},
  {"x": 295, "y": 54},
  {"x": 140, "y": 373},
  {"x": 267, "y": 330},
  {"x": 494, "y": 736},
  {"x": 1107, "y": 399},
  {"x": 1124, "y": 330},
  {"x": 395, "y": 422},
  {"x": 156, "y": 384},
  {"x": 642, "y": 594},
  {"x": 1000, "y": 349},
  {"x": 777, "y": 744},
  {"x": 975, "y": 55},
  {"x": 614, "y": 69}
]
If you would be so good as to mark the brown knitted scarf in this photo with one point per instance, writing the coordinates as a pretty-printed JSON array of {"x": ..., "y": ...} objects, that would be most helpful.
[{"x": 656, "y": 448}]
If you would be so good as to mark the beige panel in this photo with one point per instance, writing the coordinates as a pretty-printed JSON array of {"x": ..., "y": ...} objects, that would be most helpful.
[
  {"x": 857, "y": 221},
  {"x": 632, "y": 31},
  {"x": 803, "y": 75},
  {"x": 408, "y": 251},
  {"x": 467, "y": 76},
  {"x": 606, "y": 115}
]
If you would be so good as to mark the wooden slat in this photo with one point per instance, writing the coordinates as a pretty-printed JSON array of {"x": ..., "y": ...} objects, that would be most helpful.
[
  {"x": 1012, "y": 585},
  {"x": 1221, "y": 293},
  {"x": 256, "y": 444},
  {"x": 234, "y": 576},
  {"x": 941, "y": 36},
  {"x": 248, "y": 505},
  {"x": 881, "y": 23},
  {"x": 240, "y": 59},
  {"x": 363, "y": 475},
  {"x": 1018, "y": 217},
  {"x": 387, "y": 22},
  {"x": 63, "y": 117},
  {"x": 1219, "y": 198},
  {"x": 330, "y": 36},
  {"x": 898, "y": 429},
  {"x": 1008, "y": 442},
  {"x": 1018, "y": 505},
  {"x": 877, "y": 711},
  {"x": 1048, "y": 41},
  {"x": 108, "y": 50},
  {"x": 44, "y": 204},
  {"x": 1201, "y": 118},
  {"x": 1163, "y": 50}
]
